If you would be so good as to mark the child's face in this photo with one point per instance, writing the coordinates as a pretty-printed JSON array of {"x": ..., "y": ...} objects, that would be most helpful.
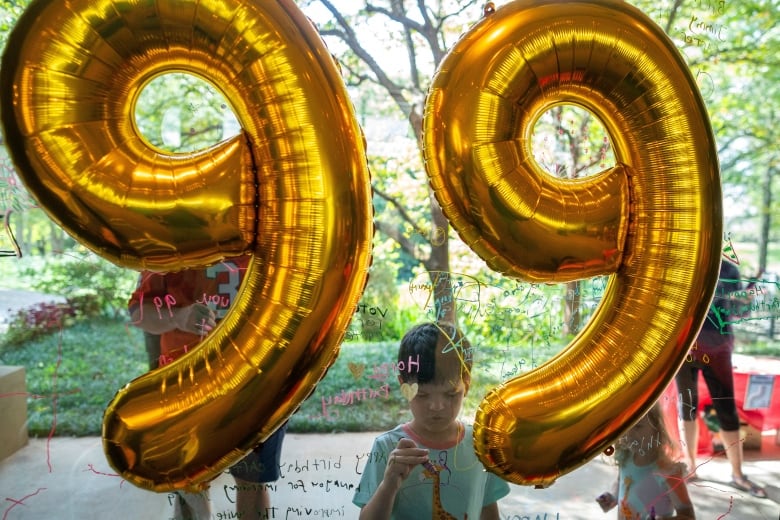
[{"x": 436, "y": 406}]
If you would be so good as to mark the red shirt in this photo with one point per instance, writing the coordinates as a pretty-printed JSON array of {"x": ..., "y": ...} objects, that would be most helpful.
[{"x": 216, "y": 286}]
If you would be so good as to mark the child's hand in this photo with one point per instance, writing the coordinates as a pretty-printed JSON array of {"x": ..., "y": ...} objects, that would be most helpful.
[
  {"x": 607, "y": 501},
  {"x": 196, "y": 319},
  {"x": 403, "y": 459}
]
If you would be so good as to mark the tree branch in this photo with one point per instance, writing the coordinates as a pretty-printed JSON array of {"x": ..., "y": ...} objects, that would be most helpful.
[
  {"x": 401, "y": 210},
  {"x": 349, "y": 37}
]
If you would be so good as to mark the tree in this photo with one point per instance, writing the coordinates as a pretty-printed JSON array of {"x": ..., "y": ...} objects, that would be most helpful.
[
  {"x": 421, "y": 32},
  {"x": 731, "y": 48},
  {"x": 390, "y": 49}
]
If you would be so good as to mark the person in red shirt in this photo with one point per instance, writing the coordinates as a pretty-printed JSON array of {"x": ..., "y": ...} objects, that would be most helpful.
[{"x": 182, "y": 308}]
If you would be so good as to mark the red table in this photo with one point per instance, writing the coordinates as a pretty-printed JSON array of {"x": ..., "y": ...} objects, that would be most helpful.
[{"x": 756, "y": 391}]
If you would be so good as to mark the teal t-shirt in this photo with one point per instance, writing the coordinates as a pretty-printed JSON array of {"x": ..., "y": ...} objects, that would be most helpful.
[{"x": 465, "y": 487}]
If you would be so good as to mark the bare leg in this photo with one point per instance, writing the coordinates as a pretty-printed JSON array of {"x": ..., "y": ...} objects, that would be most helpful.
[
  {"x": 180, "y": 510},
  {"x": 252, "y": 500},
  {"x": 691, "y": 435},
  {"x": 198, "y": 504},
  {"x": 733, "y": 444}
]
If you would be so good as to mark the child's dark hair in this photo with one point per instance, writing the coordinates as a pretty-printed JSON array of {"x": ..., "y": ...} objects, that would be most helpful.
[{"x": 432, "y": 352}]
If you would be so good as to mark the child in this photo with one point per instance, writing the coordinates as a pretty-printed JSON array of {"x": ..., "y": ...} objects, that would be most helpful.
[
  {"x": 650, "y": 484},
  {"x": 181, "y": 308},
  {"x": 427, "y": 468}
]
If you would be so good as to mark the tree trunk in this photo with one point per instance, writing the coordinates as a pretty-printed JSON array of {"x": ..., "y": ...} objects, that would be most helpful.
[
  {"x": 438, "y": 267},
  {"x": 572, "y": 314},
  {"x": 766, "y": 220}
]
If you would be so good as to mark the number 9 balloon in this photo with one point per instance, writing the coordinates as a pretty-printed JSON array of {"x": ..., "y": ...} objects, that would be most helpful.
[
  {"x": 653, "y": 222},
  {"x": 293, "y": 190}
]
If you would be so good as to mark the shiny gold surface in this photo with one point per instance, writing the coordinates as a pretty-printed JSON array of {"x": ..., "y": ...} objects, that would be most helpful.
[
  {"x": 293, "y": 190},
  {"x": 653, "y": 222}
]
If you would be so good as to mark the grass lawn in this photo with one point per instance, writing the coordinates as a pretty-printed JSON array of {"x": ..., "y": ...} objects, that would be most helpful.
[{"x": 72, "y": 375}]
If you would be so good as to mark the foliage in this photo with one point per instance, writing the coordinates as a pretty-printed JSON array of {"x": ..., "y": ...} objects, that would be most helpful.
[
  {"x": 71, "y": 376},
  {"x": 82, "y": 286},
  {"x": 13, "y": 195},
  {"x": 181, "y": 113},
  {"x": 378, "y": 316},
  {"x": 9, "y": 13},
  {"x": 582, "y": 146},
  {"x": 41, "y": 319},
  {"x": 355, "y": 393},
  {"x": 48, "y": 317},
  {"x": 731, "y": 47},
  {"x": 394, "y": 90},
  {"x": 100, "y": 286}
]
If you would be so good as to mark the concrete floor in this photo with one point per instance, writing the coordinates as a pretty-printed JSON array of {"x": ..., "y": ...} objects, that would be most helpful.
[{"x": 69, "y": 478}]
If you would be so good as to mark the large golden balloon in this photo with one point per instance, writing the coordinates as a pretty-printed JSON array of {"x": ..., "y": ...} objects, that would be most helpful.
[
  {"x": 294, "y": 191},
  {"x": 653, "y": 222}
]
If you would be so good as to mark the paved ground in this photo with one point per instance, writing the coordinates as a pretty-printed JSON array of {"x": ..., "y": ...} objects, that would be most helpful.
[{"x": 68, "y": 478}]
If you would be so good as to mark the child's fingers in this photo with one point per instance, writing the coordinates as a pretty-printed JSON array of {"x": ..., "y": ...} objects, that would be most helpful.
[
  {"x": 410, "y": 459},
  {"x": 406, "y": 451},
  {"x": 409, "y": 456},
  {"x": 406, "y": 443},
  {"x": 404, "y": 457}
]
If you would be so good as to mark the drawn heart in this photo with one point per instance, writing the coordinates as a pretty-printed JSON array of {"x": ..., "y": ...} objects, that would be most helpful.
[
  {"x": 409, "y": 390},
  {"x": 357, "y": 369}
]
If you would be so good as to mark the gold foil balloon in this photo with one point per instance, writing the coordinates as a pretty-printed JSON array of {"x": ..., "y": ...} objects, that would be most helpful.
[
  {"x": 294, "y": 191},
  {"x": 653, "y": 222}
]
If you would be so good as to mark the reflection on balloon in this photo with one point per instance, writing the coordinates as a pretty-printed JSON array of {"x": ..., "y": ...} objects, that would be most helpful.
[
  {"x": 293, "y": 190},
  {"x": 653, "y": 222}
]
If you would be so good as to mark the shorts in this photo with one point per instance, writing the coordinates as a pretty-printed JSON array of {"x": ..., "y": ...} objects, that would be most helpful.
[
  {"x": 262, "y": 463},
  {"x": 719, "y": 377}
]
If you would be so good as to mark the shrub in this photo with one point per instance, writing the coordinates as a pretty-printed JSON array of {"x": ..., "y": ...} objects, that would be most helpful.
[
  {"x": 358, "y": 393},
  {"x": 93, "y": 284},
  {"x": 48, "y": 317},
  {"x": 38, "y": 320},
  {"x": 72, "y": 376}
]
